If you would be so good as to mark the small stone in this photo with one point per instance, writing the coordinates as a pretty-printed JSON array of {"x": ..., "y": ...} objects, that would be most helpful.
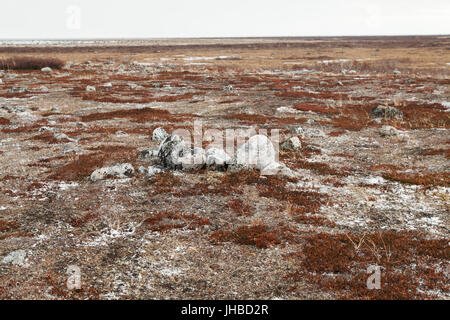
[
  {"x": 122, "y": 170},
  {"x": 227, "y": 88},
  {"x": 277, "y": 168},
  {"x": 396, "y": 72},
  {"x": 386, "y": 112},
  {"x": 1, "y": 81},
  {"x": 46, "y": 69},
  {"x": 90, "y": 88},
  {"x": 293, "y": 143},
  {"x": 310, "y": 132},
  {"x": 17, "y": 258},
  {"x": 389, "y": 131},
  {"x": 153, "y": 170},
  {"x": 121, "y": 134}
]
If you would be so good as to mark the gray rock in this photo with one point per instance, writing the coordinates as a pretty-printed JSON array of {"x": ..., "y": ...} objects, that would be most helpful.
[
  {"x": 386, "y": 112},
  {"x": 159, "y": 135},
  {"x": 122, "y": 170},
  {"x": 389, "y": 131},
  {"x": 227, "y": 88},
  {"x": 257, "y": 153},
  {"x": 310, "y": 132},
  {"x": 90, "y": 88},
  {"x": 17, "y": 90},
  {"x": 277, "y": 168},
  {"x": 1, "y": 81},
  {"x": 292, "y": 143},
  {"x": 152, "y": 170},
  {"x": 46, "y": 69},
  {"x": 121, "y": 134},
  {"x": 47, "y": 129},
  {"x": 396, "y": 72},
  {"x": 217, "y": 158},
  {"x": 17, "y": 258}
]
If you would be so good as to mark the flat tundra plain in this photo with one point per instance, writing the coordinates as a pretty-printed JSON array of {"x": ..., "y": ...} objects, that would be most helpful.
[{"x": 369, "y": 191}]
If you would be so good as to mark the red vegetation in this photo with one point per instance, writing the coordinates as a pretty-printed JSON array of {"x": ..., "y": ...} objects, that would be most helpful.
[
  {"x": 258, "y": 235},
  {"x": 4, "y": 121},
  {"x": 338, "y": 263},
  {"x": 79, "y": 222}
]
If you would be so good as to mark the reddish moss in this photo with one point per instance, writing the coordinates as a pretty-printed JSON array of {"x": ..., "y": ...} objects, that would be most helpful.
[
  {"x": 258, "y": 235},
  {"x": 4, "y": 121},
  {"x": 79, "y": 222},
  {"x": 407, "y": 260}
]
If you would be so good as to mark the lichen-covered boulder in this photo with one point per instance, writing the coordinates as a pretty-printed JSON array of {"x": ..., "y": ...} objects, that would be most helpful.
[
  {"x": 257, "y": 153},
  {"x": 159, "y": 135}
]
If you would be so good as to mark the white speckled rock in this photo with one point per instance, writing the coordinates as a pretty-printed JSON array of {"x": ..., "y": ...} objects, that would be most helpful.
[
  {"x": 159, "y": 135},
  {"x": 17, "y": 258},
  {"x": 122, "y": 170},
  {"x": 293, "y": 143}
]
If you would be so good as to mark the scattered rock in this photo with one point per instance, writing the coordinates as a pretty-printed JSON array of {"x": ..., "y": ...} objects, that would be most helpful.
[
  {"x": 17, "y": 90},
  {"x": 389, "y": 131},
  {"x": 47, "y": 129},
  {"x": 386, "y": 112},
  {"x": 122, "y": 170},
  {"x": 227, "y": 88},
  {"x": 90, "y": 88},
  {"x": 108, "y": 85},
  {"x": 257, "y": 153},
  {"x": 323, "y": 83},
  {"x": 310, "y": 132},
  {"x": 292, "y": 143},
  {"x": 277, "y": 168},
  {"x": 17, "y": 258},
  {"x": 1, "y": 81},
  {"x": 339, "y": 83},
  {"x": 159, "y": 135},
  {"x": 217, "y": 158},
  {"x": 152, "y": 170},
  {"x": 46, "y": 69},
  {"x": 396, "y": 72},
  {"x": 121, "y": 134}
]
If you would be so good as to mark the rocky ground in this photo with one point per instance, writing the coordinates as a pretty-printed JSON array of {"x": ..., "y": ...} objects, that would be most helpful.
[{"x": 366, "y": 180}]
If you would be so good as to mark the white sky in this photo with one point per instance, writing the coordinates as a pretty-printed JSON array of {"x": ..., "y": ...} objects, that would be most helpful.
[{"x": 48, "y": 19}]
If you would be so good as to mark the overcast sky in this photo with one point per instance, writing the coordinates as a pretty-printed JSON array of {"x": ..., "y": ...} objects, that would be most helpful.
[{"x": 61, "y": 19}]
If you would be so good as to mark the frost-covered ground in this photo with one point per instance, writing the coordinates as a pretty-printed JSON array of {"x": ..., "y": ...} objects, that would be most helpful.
[{"x": 359, "y": 196}]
